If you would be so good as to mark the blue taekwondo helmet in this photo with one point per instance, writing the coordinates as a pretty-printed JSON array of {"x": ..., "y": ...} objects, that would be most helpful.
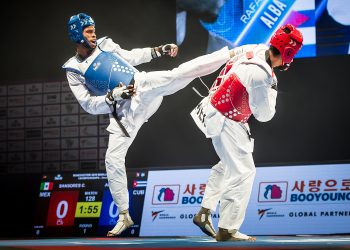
[{"x": 76, "y": 25}]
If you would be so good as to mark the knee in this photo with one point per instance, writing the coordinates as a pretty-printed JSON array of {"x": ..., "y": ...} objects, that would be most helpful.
[
  {"x": 219, "y": 168},
  {"x": 114, "y": 164}
]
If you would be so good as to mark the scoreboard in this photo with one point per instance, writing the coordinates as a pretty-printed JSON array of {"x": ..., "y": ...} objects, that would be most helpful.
[{"x": 78, "y": 204}]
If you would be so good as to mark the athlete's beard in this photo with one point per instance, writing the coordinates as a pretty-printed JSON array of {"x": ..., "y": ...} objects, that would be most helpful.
[
  {"x": 87, "y": 45},
  {"x": 267, "y": 58}
]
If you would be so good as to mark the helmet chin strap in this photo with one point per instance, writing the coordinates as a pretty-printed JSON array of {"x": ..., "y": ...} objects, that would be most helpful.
[
  {"x": 283, "y": 67},
  {"x": 86, "y": 44}
]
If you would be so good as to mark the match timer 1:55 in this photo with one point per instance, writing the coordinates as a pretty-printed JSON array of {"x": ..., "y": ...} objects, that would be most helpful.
[{"x": 88, "y": 209}]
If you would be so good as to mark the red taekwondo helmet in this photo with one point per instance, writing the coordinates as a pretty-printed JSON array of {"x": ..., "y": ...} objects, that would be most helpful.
[{"x": 288, "y": 41}]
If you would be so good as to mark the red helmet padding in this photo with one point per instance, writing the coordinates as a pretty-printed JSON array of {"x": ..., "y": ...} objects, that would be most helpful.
[{"x": 288, "y": 44}]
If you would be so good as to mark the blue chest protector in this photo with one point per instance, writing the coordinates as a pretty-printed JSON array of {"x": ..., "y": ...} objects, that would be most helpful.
[{"x": 106, "y": 71}]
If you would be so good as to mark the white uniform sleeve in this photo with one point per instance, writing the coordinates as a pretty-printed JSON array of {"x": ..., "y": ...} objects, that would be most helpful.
[
  {"x": 134, "y": 56},
  {"x": 92, "y": 104},
  {"x": 262, "y": 97}
]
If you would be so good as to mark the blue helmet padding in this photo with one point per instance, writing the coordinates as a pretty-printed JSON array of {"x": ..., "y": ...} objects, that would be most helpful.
[{"x": 76, "y": 25}]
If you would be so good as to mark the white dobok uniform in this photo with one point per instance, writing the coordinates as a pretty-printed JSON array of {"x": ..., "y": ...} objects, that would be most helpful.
[
  {"x": 231, "y": 180},
  {"x": 150, "y": 89}
]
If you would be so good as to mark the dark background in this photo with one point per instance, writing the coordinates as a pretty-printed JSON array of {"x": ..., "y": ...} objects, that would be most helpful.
[{"x": 311, "y": 124}]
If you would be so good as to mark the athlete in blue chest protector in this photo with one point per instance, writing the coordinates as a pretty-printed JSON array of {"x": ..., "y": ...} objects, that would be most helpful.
[{"x": 104, "y": 80}]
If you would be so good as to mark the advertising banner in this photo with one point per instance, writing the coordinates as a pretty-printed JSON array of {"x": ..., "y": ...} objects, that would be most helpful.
[
  {"x": 311, "y": 199},
  {"x": 172, "y": 199}
]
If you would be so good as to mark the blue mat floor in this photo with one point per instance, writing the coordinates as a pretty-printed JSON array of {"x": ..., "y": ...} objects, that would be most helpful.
[{"x": 263, "y": 242}]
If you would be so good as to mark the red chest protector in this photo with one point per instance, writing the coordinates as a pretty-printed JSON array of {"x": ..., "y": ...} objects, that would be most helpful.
[{"x": 231, "y": 98}]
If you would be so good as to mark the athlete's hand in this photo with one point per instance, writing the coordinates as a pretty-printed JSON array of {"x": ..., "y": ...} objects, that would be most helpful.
[
  {"x": 123, "y": 92},
  {"x": 120, "y": 92},
  {"x": 131, "y": 90},
  {"x": 169, "y": 49}
]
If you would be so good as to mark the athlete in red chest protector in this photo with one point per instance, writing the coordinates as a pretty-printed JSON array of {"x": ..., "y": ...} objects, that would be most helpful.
[
  {"x": 231, "y": 98},
  {"x": 246, "y": 86}
]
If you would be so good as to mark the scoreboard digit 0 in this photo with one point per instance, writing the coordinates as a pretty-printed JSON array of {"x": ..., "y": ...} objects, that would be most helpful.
[{"x": 62, "y": 208}]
